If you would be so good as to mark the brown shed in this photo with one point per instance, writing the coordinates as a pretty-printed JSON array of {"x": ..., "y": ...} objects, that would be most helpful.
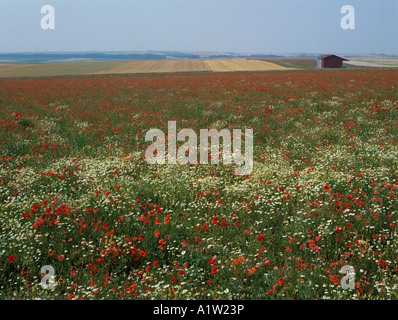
[{"x": 330, "y": 61}]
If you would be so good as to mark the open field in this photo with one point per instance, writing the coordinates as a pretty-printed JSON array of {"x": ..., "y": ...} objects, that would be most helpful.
[
  {"x": 76, "y": 192},
  {"x": 377, "y": 60},
  {"x": 373, "y": 62},
  {"x": 156, "y": 66},
  {"x": 9, "y": 67},
  {"x": 56, "y": 69},
  {"x": 302, "y": 63},
  {"x": 241, "y": 65},
  {"x": 367, "y": 64},
  {"x": 353, "y": 63},
  {"x": 133, "y": 67},
  {"x": 173, "y": 66}
]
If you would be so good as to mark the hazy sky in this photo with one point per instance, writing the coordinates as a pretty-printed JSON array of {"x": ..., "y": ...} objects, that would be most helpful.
[{"x": 247, "y": 26}]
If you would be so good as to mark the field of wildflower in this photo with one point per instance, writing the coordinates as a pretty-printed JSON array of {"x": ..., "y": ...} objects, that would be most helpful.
[{"x": 76, "y": 193}]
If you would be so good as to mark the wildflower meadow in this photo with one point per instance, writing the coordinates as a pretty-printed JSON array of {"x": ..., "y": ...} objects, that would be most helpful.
[{"x": 77, "y": 196}]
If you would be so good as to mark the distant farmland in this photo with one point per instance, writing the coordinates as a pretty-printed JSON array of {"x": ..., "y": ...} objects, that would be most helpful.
[
  {"x": 8, "y": 67},
  {"x": 55, "y": 69},
  {"x": 302, "y": 63},
  {"x": 156, "y": 66},
  {"x": 135, "y": 67},
  {"x": 241, "y": 65}
]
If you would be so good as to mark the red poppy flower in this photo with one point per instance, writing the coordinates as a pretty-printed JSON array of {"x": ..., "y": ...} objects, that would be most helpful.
[
  {"x": 261, "y": 238},
  {"x": 335, "y": 280},
  {"x": 339, "y": 229},
  {"x": 326, "y": 188},
  {"x": 214, "y": 270}
]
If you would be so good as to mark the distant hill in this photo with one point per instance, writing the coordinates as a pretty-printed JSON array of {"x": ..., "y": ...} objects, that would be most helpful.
[
  {"x": 48, "y": 57},
  {"x": 62, "y": 57},
  {"x": 43, "y": 57}
]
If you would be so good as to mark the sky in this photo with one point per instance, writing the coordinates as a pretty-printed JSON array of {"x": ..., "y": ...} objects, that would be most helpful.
[{"x": 242, "y": 26}]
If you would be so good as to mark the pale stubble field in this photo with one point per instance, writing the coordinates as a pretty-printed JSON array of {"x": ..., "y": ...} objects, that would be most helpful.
[{"x": 135, "y": 67}]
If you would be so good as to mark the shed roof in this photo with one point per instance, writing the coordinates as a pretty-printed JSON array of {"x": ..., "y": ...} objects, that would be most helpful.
[{"x": 331, "y": 55}]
